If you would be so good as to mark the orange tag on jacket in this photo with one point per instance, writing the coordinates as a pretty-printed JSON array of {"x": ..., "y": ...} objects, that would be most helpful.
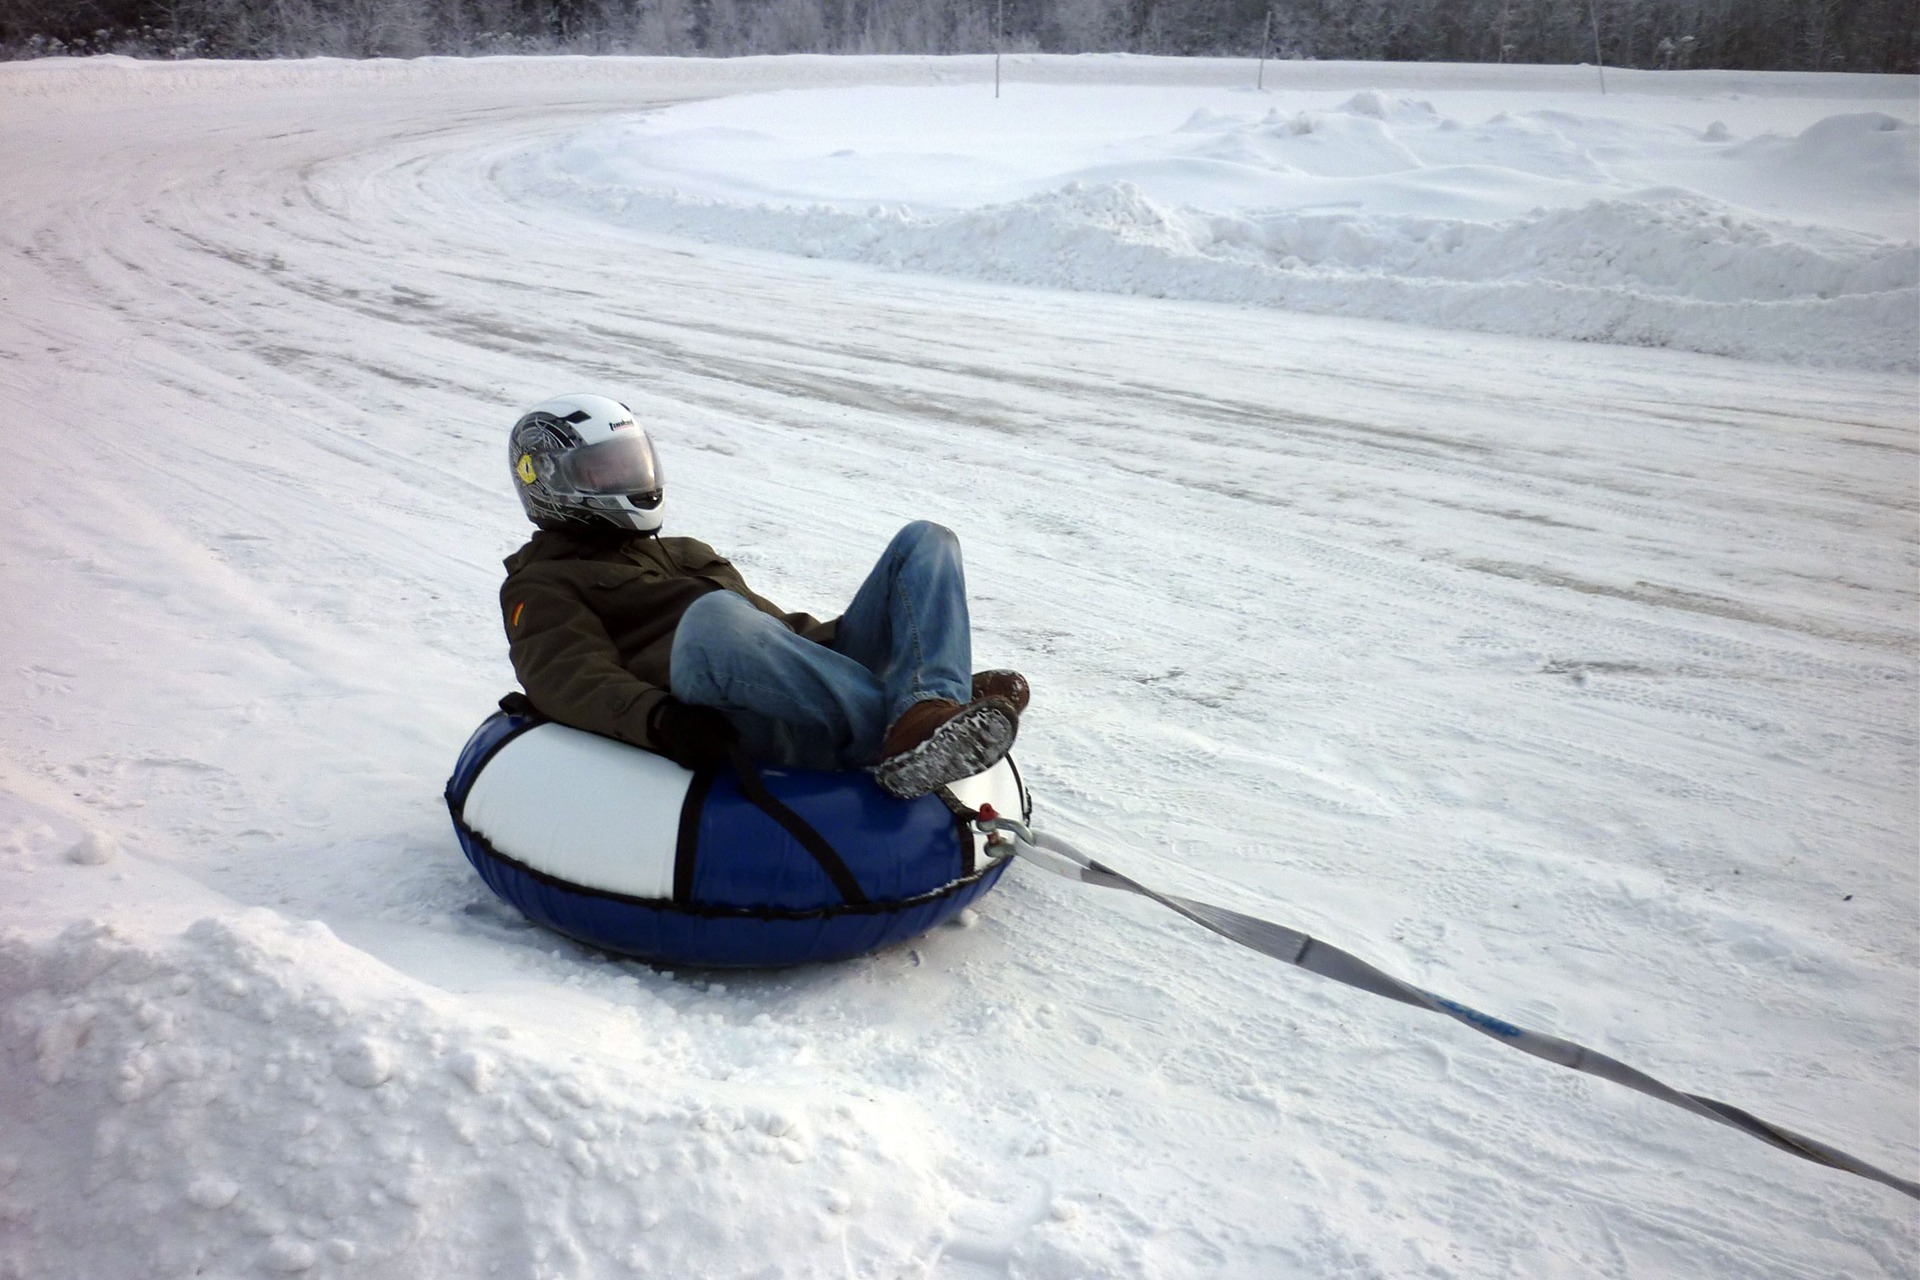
[{"x": 518, "y": 609}]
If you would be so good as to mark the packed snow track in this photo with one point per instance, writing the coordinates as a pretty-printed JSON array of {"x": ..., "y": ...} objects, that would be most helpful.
[{"x": 1577, "y": 681}]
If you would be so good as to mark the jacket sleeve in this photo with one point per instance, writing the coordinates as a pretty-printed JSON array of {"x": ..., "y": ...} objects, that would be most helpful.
[{"x": 568, "y": 664}]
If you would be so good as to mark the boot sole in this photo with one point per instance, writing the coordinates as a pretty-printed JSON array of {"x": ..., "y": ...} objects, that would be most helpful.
[{"x": 972, "y": 742}]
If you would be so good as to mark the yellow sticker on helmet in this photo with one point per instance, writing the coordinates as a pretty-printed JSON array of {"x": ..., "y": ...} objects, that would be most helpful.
[{"x": 524, "y": 468}]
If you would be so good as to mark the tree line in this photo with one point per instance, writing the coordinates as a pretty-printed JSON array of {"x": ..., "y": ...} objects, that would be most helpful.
[{"x": 1800, "y": 35}]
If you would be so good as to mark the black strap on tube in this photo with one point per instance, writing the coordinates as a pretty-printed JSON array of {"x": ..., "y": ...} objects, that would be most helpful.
[{"x": 754, "y": 788}]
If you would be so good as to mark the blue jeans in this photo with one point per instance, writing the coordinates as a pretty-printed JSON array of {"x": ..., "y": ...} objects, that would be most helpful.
[{"x": 904, "y": 639}]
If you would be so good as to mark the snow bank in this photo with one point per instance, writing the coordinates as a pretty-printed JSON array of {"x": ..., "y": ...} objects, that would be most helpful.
[
  {"x": 1544, "y": 223},
  {"x": 257, "y": 1097},
  {"x": 1555, "y": 275}
]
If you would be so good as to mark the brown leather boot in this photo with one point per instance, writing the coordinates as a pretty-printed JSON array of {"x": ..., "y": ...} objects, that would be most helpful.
[
  {"x": 916, "y": 724},
  {"x": 1008, "y": 686},
  {"x": 936, "y": 742}
]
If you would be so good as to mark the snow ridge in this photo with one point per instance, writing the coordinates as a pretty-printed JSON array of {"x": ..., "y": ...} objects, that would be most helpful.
[
  {"x": 1560, "y": 274},
  {"x": 1192, "y": 214}
]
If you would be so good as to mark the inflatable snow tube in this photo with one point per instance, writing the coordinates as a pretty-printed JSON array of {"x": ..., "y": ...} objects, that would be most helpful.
[{"x": 624, "y": 850}]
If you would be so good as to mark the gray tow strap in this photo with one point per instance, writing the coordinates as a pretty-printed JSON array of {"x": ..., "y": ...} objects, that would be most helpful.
[{"x": 1308, "y": 953}]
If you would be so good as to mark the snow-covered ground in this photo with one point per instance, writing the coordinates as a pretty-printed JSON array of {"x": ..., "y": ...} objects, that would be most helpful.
[{"x": 1575, "y": 680}]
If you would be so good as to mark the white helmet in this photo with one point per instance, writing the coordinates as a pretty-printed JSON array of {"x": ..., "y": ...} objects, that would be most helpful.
[{"x": 582, "y": 461}]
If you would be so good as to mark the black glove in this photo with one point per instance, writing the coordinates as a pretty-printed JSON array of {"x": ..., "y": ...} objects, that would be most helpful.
[{"x": 692, "y": 737}]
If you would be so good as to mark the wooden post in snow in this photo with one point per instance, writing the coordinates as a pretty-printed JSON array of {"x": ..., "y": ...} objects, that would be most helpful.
[
  {"x": 1599, "y": 64},
  {"x": 1266, "y": 42},
  {"x": 999, "y": 39}
]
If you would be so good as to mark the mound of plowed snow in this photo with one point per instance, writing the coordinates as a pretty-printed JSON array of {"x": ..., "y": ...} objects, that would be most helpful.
[{"x": 1537, "y": 220}]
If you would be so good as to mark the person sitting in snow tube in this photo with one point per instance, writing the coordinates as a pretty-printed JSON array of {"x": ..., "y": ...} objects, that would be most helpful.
[
  {"x": 659, "y": 642},
  {"x": 770, "y": 844}
]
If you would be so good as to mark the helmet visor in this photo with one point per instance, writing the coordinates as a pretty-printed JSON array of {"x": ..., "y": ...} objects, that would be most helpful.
[{"x": 624, "y": 464}]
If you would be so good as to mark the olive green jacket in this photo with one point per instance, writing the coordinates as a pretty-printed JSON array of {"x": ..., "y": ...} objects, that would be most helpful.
[{"x": 590, "y": 622}]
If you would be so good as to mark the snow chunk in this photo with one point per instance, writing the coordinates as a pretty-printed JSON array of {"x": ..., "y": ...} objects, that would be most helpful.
[
  {"x": 92, "y": 849},
  {"x": 290, "y": 1256},
  {"x": 212, "y": 1192},
  {"x": 61, "y": 1038},
  {"x": 476, "y": 1069},
  {"x": 363, "y": 1063},
  {"x": 1367, "y": 102}
]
